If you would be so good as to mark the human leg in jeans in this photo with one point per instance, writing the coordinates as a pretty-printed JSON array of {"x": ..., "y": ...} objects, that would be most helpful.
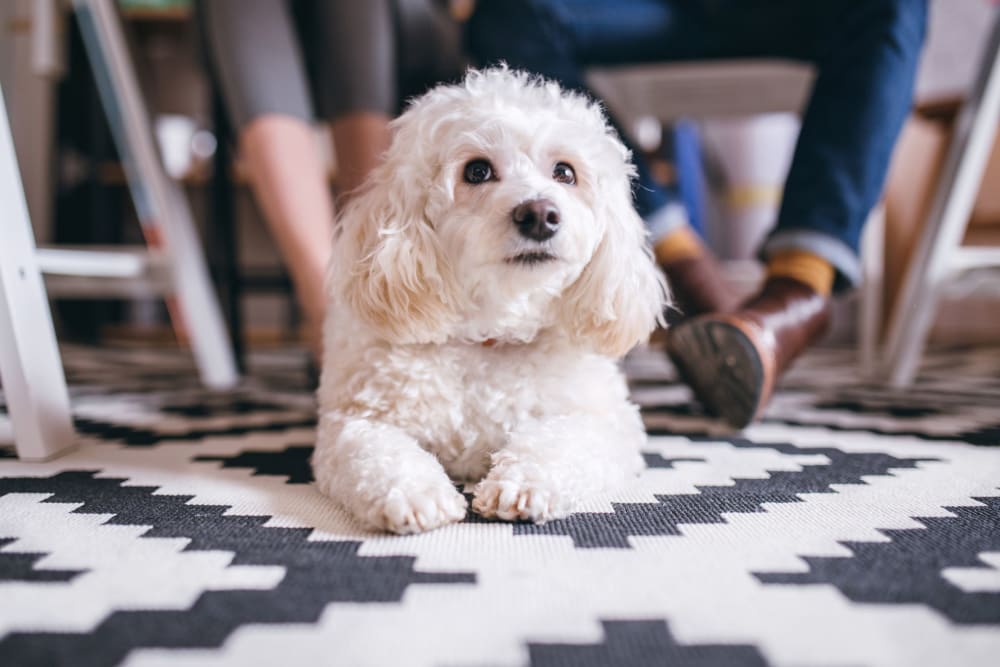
[{"x": 866, "y": 55}]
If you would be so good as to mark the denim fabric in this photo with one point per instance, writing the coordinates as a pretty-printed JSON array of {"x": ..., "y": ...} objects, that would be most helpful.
[{"x": 866, "y": 55}]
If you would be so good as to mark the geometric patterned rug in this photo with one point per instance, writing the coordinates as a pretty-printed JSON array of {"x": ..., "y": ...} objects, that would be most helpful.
[{"x": 854, "y": 525}]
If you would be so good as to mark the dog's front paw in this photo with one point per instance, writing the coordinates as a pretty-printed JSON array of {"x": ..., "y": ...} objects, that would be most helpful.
[
  {"x": 513, "y": 497},
  {"x": 414, "y": 510}
]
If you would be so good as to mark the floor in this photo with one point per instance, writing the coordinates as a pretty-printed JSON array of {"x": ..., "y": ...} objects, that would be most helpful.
[{"x": 852, "y": 526}]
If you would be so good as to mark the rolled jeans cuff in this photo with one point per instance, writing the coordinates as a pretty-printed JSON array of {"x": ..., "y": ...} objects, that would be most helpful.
[
  {"x": 841, "y": 256},
  {"x": 665, "y": 220}
]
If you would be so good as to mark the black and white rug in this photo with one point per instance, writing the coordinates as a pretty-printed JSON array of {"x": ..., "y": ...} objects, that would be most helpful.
[{"x": 853, "y": 526}]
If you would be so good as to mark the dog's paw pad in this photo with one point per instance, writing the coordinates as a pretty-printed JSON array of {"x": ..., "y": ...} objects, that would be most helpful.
[
  {"x": 511, "y": 501},
  {"x": 406, "y": 511}
]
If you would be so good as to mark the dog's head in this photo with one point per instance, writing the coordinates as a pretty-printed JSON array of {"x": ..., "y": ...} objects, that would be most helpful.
[{"x": 503, "y": 207}]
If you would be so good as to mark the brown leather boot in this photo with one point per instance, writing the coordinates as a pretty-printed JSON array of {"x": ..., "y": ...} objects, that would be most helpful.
[
  {"x": 698, "y": 287},
  {"x": 733, "y": 361}
]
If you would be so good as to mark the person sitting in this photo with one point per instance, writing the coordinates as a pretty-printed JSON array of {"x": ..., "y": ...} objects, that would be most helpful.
[
  {"x": 276, "y": 62},
  {"x": 866, "y": 55}
]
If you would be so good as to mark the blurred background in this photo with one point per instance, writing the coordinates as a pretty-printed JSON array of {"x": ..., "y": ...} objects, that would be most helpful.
[{"x": 726, "y": 159}]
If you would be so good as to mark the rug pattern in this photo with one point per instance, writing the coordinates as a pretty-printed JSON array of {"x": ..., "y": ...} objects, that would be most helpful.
[{"x": 854, "y": 525}]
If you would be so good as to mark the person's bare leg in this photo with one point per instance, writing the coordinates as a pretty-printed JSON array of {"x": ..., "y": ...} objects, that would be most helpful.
[
  {"x": 360, "y": 139},
  {"x": 289, "y": 179}
]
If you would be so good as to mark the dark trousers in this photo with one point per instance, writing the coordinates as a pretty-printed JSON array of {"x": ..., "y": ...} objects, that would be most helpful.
[{"x": 866, "y": 54}]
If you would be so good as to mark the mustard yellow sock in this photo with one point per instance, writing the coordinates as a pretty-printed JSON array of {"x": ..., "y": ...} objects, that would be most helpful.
[
  {"x": 803, "y": 266},
  {"x": 682, "y": 243}
]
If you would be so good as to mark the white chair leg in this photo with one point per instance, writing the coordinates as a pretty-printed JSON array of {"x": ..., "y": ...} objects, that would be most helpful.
[
  {"x": 931, "y": 265},
  {"x": 160, "y": 203},
  {"x": 870, "y": 296},
  {"x": 30, "y": 369}
]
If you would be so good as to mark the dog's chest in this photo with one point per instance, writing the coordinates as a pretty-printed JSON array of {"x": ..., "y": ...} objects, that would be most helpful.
[
  {"x": 463, "y": 402},
  {"x": 489, "y": 391}
]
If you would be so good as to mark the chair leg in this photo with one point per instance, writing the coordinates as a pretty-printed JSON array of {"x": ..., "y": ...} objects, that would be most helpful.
[
  {"x": 931, "y": 265},
  {"x": 160, "y": 203},
  {"x": 870, "y": 297},
  {"x": 222, "y": 243},
  {"x": 30, "y": 369}
]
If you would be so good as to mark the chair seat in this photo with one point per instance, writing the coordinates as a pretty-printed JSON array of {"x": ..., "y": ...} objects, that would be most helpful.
[{"x": 672, "y": 91}]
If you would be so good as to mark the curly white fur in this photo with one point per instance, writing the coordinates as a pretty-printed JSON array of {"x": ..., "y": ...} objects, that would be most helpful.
[{"x": 447, "y": 360}]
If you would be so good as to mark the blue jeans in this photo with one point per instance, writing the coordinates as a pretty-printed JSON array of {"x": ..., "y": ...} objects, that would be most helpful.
[{"x": 865, "y": 51}]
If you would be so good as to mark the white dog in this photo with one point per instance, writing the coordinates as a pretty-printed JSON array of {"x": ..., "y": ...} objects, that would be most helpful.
[{"x": 482, "y": 287}]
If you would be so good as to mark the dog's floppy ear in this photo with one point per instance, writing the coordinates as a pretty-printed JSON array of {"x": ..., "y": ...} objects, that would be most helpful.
[
  {"x": 621, "y": 294},
  {"x": 387, "y": 266}
]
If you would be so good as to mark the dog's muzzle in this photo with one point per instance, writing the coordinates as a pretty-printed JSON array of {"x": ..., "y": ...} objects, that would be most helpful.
[{"x": 536, "y": 219}]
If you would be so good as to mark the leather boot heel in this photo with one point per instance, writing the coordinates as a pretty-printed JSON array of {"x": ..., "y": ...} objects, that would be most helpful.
[
  {"x": 720, "y": 363},
  {"x": 733, "y": 361}
]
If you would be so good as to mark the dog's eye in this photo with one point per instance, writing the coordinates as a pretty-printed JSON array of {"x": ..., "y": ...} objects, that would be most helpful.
[
  {"x": 564, "y": 173},
  {"x": 478, "y": 171}
]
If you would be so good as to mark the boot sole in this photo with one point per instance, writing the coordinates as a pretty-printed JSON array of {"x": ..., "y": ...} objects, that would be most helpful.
[{"x": 722, "y": 366}]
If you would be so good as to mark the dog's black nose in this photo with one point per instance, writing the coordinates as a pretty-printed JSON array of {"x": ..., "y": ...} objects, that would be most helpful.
[{"x": 536, "y": 219}]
